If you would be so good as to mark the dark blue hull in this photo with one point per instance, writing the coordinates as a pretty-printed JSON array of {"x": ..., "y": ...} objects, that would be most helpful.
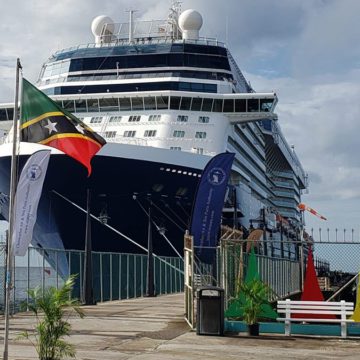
[{"x": 123, "y": 189}]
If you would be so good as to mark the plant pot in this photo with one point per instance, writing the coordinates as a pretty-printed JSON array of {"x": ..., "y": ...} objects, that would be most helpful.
[{"x": 253, "y": 329}]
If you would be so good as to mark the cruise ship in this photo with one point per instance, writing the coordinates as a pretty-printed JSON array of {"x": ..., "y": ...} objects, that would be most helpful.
[{"x": 166, "y": 100}]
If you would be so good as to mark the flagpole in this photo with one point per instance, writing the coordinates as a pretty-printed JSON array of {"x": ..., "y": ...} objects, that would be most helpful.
[{"x": 13, "y": 178}]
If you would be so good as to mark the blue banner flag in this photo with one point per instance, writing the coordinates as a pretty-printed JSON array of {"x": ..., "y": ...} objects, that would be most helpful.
[{"x": 209, "y": 202}]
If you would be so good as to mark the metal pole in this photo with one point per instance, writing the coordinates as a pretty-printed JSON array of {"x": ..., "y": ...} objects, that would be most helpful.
[
  {"x": 13, "y": 181},
  {"x": 235, "y": 209},
  {"x": 343, "y": 287},
  {"x": 281, "y": 240},
  {"x": 302, "y": 255},
  {"x": 264, "y": 231},
  {"x": 88, "y": 296},
  {"x": 28, "y": 279},
  {"x": 150, "y": 260},
  {"x": 6, "y": 256}
]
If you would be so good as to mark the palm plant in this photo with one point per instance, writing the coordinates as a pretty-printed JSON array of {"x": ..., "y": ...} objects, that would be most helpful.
[
  {"x": 50, "y": 307},
  {"x": 256, "y": 294}
]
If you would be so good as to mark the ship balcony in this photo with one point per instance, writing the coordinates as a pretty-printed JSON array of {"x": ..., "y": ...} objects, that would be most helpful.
[
  {"x": 285, "y": 184},
  {"x": 287, "y": 203},
  {"x": 286, "y": 194},
  {"x": 290, "y": 214}
]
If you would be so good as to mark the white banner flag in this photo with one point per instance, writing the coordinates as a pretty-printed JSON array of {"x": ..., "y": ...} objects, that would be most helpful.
[{"x": 27, "y": 198}]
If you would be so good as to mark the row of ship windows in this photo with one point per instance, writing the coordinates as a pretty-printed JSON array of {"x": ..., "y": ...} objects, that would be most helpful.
[
  {"x": 132, "y": 87},
  {"x": 137, "y": 118},
  {"x": 166, "y": 102},
  {"x": 131, "y": 61},
  {"x": 139, "y": 75},
  {"x": 158, "y": 103},
  {"x": 208, "y": 47},
  {"x": 152, "y": 133}
]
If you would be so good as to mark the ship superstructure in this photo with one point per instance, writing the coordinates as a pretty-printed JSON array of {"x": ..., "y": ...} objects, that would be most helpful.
[{"x": 166, "y": 100}]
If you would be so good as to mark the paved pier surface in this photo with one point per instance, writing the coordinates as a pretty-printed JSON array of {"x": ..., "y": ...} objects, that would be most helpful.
[{"x": 153, "y": 328}]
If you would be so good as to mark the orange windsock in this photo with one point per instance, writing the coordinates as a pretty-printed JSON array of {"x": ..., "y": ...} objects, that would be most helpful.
[{"x": 303, "y": 207}]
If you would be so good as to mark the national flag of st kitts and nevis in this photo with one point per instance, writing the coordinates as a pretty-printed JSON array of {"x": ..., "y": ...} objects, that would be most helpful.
[{"x": 45, "y": 122}]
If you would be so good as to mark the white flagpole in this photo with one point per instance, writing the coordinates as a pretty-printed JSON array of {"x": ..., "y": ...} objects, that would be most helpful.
[{"x": 13, "y": 178}]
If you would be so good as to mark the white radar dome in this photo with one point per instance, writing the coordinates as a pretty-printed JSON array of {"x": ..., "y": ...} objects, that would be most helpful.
[
  {"x": 190, "y": 22},
  {"x": 103, "y": 28}
]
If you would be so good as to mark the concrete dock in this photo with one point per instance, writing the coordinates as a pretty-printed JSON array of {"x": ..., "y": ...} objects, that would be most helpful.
[{"x": 153, "y": 328}]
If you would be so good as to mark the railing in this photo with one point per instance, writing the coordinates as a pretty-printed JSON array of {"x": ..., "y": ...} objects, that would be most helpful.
[
  {"x": 239, "y": 75},
  {"x": 335, "y": 235},
  {"x": 164, "y": 40},
  {"x": 115, "y": 276}
]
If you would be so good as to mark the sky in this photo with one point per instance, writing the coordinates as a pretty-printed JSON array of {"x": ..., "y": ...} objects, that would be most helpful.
[{"x": 307, "y": 51}]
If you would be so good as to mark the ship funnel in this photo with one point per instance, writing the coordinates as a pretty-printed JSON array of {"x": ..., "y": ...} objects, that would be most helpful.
[
  {"x": 103, "y": 29},
  {"x": 190, "y": 22}
]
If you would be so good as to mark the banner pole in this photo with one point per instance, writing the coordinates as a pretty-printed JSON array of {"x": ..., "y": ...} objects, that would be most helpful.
[{"x": 13, "y": 178}]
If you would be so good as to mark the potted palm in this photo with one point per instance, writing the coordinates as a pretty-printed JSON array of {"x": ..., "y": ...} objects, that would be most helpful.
[
  {"x": 50, "y": 308},
  {"x": 255, "y": 294}
]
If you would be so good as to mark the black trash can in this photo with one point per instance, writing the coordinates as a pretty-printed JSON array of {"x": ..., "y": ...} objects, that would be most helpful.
[{"x": 210, "y": 311}]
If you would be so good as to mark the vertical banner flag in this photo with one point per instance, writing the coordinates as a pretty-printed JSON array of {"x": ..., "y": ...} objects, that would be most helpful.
[
  {"x": 43, "y": 121},
  {"x": 27, "y": 198},
  {"x": 209, "y": 202}
]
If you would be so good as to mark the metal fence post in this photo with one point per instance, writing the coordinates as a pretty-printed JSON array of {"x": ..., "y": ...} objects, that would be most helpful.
[
  {"x": 101, "y": 278},
  {"x": 111, "y": 278},
  {"x": 135, "y": 274},
  {"x": 302, "y": 270},
  {"x": 14, "y": 284},
  {"x": 57, "y": 268},
  {"x": 119, "y": 276},
  {"x": 81, "y": 275},
  {"x": 127, "y": 276},
  {"x": 142, "y": 275},
  {"x": 171, "y": 275},
  {"x": 28, "y": 278},
  {"x": 166, "y": 279},
  {"x": 160, "y": 278}
]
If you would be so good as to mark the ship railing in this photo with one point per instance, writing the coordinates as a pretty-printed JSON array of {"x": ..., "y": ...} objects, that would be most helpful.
[
  {"x": 166, "y": 40},
  {"x": 239, "y": 75}
]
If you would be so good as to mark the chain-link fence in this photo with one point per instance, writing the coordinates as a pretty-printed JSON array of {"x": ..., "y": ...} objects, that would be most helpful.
[
  {"x": 282, "y": 274},
  {"x": 336, "y": 262},
  {"x": 282, "y": 265},
  {"x": 115, "y": 276}
]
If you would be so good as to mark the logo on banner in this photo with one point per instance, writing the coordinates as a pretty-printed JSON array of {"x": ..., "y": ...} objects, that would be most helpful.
[
  {"x": 34, "y": 172},
  {"x": 216, "y": 176},
  {"x": 28, "y": 193}
]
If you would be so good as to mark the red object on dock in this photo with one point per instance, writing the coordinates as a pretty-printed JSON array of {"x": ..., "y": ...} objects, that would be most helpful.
[{"x": 311, "y": 290}]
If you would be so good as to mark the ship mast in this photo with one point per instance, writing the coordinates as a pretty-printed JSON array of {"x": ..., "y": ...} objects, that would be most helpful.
[
  {"x": 173, "y": 19},
  {"x": 131, "y": 25}
]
